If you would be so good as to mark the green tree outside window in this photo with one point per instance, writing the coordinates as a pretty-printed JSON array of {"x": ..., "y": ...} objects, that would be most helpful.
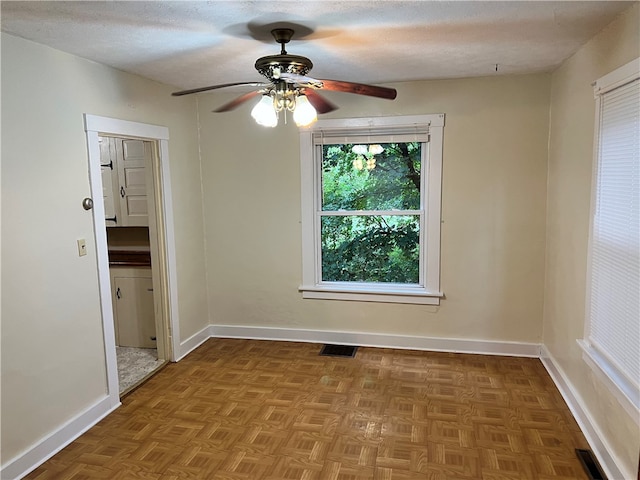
[{"x": 370, "y": 226}]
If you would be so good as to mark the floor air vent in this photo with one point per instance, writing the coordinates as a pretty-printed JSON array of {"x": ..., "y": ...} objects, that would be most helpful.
[
  {"x": 590, "y": 464},
  {"x": 338, "y": 351}
]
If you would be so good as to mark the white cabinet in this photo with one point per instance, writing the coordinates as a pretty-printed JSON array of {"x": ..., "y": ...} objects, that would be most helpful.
[
  {"x": 133, "y": 307},
  {"x": 125, "y": 167}
]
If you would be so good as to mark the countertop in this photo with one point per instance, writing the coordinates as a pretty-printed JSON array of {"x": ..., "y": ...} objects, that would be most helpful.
[{"x": 134, "y": 257}]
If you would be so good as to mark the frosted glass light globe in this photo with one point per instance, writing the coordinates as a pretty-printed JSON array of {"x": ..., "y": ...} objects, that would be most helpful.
[
  {"x": 304, "y": 114},
  {"x": 264, "y": 113}
]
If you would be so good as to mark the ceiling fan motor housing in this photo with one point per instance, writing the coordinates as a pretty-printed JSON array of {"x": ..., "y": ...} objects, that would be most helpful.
[{"x": 272, "y": 65}]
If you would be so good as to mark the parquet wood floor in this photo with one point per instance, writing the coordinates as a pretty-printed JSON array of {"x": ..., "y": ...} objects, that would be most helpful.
[{"x": 261, "y": 410}]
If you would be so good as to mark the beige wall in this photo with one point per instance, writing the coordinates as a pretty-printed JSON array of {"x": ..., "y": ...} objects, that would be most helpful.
[
  {"x": 493, "y": 237},
  {"x": 53, "y": 362},
  {"x": 569, "y": 191},
  {"x": 494, "y": 190}
]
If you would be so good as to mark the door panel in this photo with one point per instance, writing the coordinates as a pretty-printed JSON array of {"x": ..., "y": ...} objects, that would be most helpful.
[{"x": 132, "y": 159}]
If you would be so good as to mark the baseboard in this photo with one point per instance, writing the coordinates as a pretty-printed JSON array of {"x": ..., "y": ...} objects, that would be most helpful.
[
  {"x": 56, "y": 441},
  {"x": 612, "y": 467},
  {"x": 457, "y": 345},
  {"x": 194, "y": 341}
]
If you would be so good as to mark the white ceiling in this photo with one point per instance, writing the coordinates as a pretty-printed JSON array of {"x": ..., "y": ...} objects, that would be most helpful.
[{"x": 191, "y": 44}]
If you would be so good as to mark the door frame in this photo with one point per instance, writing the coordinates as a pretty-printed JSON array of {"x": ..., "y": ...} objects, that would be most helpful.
[{"x": 94, "y": 126}]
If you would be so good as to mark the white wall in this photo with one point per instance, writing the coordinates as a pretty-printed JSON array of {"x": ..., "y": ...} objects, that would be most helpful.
[
  {"x": 494, "y": 191},
  {"x": 569, "y": 193},
  {"x": 53, "y": 361}
]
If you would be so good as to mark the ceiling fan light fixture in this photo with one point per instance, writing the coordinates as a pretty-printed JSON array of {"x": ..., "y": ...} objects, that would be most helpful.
[
  {"x": 376, "y": 149},
  {"x": 264, "y": 114},
  {"x": 359, "y": 149},
  {"x": 304, "y": 113}
]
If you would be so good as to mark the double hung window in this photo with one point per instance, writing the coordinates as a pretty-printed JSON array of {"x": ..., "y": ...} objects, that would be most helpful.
[
  {"x": 371, "y": 209},
  {"x": 612, "y": 338}
]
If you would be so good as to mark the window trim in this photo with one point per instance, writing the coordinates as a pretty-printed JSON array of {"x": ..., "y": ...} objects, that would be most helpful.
[
  {"x": 605, "y": 369},
  {"x": 427, "y": 293}
]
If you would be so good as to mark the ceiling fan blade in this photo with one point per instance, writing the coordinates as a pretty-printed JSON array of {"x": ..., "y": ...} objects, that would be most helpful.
[
  {"x": 340, "y": 86},
  {"x": 236, "y": 102},
  {"x": 359, "y": 89},
  {"x": 213, "y": 87},
  {"x": 321, "y": 104}
]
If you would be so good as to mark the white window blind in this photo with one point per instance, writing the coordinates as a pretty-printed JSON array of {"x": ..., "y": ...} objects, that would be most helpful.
[
  {"x": 614, "y": 296},
  {"x": 398, "y": 135}
]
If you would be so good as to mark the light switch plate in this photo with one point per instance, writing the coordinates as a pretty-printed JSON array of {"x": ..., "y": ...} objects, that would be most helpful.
[{"x": 82, "y": 247}]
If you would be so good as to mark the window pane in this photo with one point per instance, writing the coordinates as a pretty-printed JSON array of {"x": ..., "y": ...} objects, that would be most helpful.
[
  {"x": 371, "y": 176},
  {"x": 358, "y": 248}
]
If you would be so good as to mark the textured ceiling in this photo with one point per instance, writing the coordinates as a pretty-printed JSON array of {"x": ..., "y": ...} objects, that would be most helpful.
[{"x": 190, "y": 44}]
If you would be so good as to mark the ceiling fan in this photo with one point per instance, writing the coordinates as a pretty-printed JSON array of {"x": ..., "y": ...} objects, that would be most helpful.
[{"x": 288, "y": 88}]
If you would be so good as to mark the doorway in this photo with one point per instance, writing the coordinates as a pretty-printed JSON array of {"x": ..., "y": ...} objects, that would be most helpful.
[
  {"x": 126, "y": 166},
  {"x": 160, "y": 232}
]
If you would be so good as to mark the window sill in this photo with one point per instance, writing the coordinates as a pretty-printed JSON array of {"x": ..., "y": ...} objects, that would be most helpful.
[
  {"x": 371, "y": 294},
  {"x": 621, "y": 388}
]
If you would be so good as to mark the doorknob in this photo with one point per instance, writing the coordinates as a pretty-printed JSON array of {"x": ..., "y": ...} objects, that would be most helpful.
[{"x": 87, "y": 203}]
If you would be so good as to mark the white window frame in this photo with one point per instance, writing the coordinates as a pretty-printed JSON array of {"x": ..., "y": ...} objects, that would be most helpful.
[
  {"x": 427, "y": 292},
  {"x": 617, "y": 382}
]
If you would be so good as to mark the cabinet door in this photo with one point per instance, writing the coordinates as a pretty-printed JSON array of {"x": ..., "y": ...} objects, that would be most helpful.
[
  {"x": 107, "y": 165},
  {"x": 132, "y": 156},
  {"x": 134, "y": 313}
]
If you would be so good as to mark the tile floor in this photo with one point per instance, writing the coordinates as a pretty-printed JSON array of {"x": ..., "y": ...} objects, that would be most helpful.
[{"x": 134, "y": 364}]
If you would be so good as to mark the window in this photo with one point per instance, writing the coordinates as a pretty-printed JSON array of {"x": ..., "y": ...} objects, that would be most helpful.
[
  {"x": 371, "y": 193},
  {"x": 612, "y": 339}
]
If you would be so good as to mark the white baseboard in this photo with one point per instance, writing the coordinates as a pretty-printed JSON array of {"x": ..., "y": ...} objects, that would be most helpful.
[
  {"x": 56, "y": 441},
  {"x": 611, "y": 465},
  {"x": 457, "y": 345},
  {"x": 194, "y": 341}
]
